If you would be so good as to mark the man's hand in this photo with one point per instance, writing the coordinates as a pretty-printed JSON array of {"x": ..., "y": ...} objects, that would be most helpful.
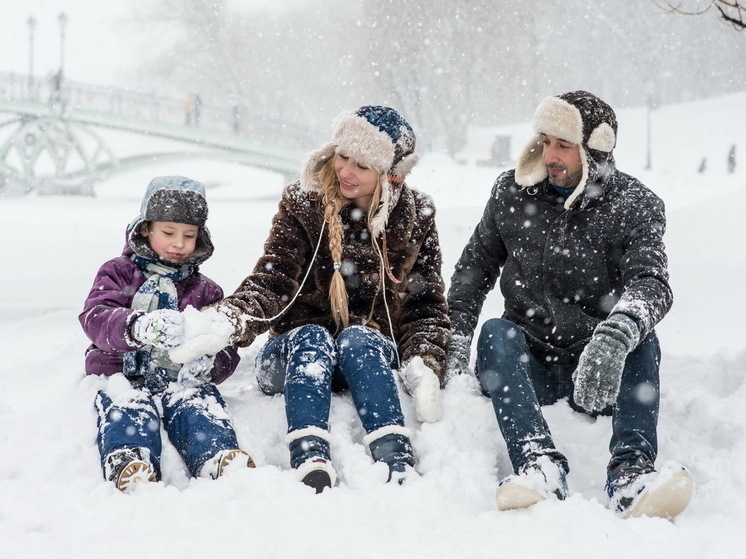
[
  {"x": 459, "y": 354},
  {"x": 599, "y": 372}
]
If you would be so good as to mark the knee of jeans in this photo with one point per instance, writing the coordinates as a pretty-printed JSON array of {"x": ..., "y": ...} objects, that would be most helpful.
[
  {"x": 357, "y": 337},
  {"x": 312, "y": 336},
  {"x": 499, "y": 330}
]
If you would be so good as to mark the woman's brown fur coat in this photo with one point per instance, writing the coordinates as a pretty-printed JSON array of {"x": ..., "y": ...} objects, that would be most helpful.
[{"x": 416, "y": 305}]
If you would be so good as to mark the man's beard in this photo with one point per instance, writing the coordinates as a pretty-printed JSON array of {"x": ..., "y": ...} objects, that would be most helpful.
[{"x": 566, "y": 180}]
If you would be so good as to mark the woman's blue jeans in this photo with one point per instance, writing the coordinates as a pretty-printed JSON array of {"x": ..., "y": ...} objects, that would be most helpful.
[
  {"x": 518, "y": 385},
  {"x": 307, "y": 364}
]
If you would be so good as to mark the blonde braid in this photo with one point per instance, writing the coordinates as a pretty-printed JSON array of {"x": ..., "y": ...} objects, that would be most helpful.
[{"x": 333, "y": 203}]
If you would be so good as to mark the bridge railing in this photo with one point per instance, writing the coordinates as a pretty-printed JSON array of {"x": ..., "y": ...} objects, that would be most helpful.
[{"x": 189, "y": 111}]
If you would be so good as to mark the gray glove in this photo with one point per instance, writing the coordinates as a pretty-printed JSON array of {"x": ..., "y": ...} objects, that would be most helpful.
[
  {"x": 599, "y": 372},
  {"x": 459, "y": 354},
  {"x": 163, "y": 328},
  {"x": 196, "y": 372}
]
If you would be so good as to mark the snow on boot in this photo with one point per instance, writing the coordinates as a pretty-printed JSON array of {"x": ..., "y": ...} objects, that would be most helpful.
[
  {"x": 391, "y": 445},
  {"x": 538, "y": 479},
  {"x": 310, "y": 456},
  {"x": 638, "y": 490},
  {"x": 127, "y": 467},
  {"x": 224, "y": 460}
]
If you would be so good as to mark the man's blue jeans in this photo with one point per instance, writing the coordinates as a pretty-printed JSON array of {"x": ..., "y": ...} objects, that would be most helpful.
[
  {"x": 518, "y": 385},
  {"x": 307, "y": 364}
]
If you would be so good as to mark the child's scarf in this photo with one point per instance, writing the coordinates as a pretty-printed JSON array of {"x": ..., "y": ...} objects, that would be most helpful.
[{"x": 158, "y": 292}]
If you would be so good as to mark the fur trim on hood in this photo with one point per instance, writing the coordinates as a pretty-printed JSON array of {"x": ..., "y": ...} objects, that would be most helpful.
[{"x": 578, "y": 117}]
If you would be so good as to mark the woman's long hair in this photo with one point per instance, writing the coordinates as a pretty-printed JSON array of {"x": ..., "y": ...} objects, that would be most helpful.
[{"x": 333, "y": 203}]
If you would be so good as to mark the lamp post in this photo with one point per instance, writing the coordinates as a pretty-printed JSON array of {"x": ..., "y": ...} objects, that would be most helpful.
[
  {"x": 650, "y": 103},
  {"x": 62, "y": 20},
  {"x": 31, "y": 27}
]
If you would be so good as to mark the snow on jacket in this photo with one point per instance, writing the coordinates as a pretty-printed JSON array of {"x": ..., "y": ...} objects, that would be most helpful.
[
  {"x": 562, "y": 271},
  {"x": 417, "y": 305},
  {"x": 107, "y": 315}
]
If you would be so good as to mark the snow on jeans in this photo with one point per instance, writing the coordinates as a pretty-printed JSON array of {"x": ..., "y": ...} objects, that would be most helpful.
[
  {"x": 519, "y": 384},
  {"x": 306, "y": 364},
  {"x": 194, "y": 419}
]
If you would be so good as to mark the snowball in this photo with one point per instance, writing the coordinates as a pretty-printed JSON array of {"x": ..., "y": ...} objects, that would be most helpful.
[{"x": 206, "y": 332}]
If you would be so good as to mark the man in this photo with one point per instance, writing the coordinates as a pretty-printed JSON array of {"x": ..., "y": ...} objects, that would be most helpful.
[{"x": 578, "y": 247}]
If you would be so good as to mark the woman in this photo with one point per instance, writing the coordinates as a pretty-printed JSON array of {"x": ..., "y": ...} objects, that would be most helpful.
[{"x": 350, "y": 287}]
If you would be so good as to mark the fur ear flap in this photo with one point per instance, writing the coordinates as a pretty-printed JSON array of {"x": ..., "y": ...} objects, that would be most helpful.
[
  {"x": 530, "y": 168},
  {"x": 389, "y": 198},
  {"x": 309, "y": 177},
  {"x": 403, "y": 168},
  {"x": 602, "y": 138}
]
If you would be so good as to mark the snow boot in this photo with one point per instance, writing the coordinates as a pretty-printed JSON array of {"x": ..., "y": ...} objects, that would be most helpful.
[
  {"x": 391, "y": 445},
  {"x": 216, "y": 466},
  {"x": 127, "y": 467},
  {"x": 310, "y": 456},
  {"x": 636, "y": 489},
  {"x": 538, "y": 479}
]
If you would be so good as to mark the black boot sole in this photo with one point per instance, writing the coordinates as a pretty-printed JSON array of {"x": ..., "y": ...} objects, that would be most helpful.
[{"x": 318, "y": 479}]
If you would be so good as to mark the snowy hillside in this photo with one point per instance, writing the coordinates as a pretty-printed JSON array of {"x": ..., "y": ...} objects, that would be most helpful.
[{"x": 53, "y": 502}]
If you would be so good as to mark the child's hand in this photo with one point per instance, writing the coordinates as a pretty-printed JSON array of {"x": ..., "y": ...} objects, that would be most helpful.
[
  {"x": 206, "y": 333},
  {"x": 196, "y": 372},
  {"x": 163, "y": 328}
]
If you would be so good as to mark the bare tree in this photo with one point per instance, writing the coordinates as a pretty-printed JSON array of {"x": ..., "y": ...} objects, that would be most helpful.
[{"x": 732, "y": 12}]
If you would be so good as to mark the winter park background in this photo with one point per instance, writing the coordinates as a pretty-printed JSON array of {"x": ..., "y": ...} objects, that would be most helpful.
[{"x": 54, "y": 503}]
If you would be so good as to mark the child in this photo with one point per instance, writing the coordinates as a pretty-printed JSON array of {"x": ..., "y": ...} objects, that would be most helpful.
[
  {"x": 349, "y": 286},
  {"x": 131, "y": 316}
]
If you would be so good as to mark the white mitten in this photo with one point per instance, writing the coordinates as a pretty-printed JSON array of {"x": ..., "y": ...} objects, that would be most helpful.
[
  {"x": 196, "y": 372},
  {"x": 423, "y": 385},
  {"x": 206, "y": 332},
  {"x": 163, "y": 328}
]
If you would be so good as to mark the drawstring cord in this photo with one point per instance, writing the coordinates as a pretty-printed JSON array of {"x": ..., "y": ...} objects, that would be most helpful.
[
  {"x": 384, "y": 264},
  {"x": 302, "y": 283},
  {"x": 385, "y": 271}
]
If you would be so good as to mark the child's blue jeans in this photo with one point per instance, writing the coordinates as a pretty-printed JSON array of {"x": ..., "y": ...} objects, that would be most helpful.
[{"x": 195, "y": 420}]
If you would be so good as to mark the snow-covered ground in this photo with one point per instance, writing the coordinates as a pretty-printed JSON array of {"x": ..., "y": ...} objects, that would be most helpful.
[{"x": 54, "y": 503}]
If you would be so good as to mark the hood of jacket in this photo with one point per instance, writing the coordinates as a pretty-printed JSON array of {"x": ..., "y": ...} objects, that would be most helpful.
[{"x": 175, "y": 199}]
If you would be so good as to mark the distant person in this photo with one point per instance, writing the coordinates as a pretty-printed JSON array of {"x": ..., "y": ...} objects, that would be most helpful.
[
  {"x": 732, "y": 159},
  {"x": 132, "y": 317},
  {"x": 350, "y": 287},
  {"x": 55, "y": 93},
  {"x": 236, "y": 119},
  {"x": 197, "y": 109},
  {"x": 188, "y": 109},
  {"x": 578, "y": 247}
]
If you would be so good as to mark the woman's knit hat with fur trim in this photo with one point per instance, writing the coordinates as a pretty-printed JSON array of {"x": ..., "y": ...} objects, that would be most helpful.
[
  {"x": 578, "y": 117},
  {"x": 378, "y": 137}
]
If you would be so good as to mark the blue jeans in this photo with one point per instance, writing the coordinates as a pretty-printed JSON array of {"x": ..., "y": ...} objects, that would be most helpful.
[
  {"x": 518, "y": 385},
  {"x": 195, "y": 420},
  {"x": 307, "y": 364}
]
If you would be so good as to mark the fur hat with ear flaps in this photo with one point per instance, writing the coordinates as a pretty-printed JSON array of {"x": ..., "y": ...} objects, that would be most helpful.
[
  {"x": 377, "y": 137},
  {"x": 578, "y": 117}
]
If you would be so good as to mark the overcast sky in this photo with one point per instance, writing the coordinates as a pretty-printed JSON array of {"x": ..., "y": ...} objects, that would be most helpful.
[{"x": 100, "y": 38}]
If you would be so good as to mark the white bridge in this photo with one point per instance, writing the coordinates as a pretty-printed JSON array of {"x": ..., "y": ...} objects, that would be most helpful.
[{"x": 50, "y": 141}]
